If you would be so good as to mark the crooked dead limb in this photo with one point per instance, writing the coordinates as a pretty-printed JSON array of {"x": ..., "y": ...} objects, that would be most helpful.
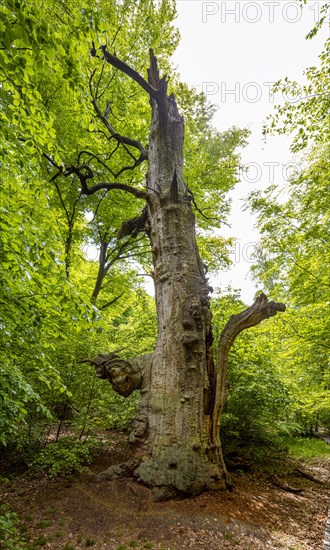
[
  {"x": 259, "y": 311},
  {"x": 124, "y": 141}
]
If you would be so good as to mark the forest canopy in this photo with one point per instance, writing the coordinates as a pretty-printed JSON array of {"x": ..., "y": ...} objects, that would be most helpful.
[{"x": 72, "y": 283}]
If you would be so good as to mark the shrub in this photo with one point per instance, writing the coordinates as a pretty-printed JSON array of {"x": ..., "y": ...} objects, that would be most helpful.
[
  {"x": 65, "y": 456},
  {"x": 10, "y": 535}
]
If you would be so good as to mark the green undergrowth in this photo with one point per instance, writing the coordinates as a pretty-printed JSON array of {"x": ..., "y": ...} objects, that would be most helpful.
[
  {"x": 65, "y": 457},
  {"x": 307, "y": 447},
  {"x": 271, "y": 451},
  {"x": 10, "y": 535}
]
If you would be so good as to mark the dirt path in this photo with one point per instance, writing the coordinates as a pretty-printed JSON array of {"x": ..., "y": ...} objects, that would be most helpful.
[
  {"x": 118, "y": 515},
  {"x": 326, "y": 544}
]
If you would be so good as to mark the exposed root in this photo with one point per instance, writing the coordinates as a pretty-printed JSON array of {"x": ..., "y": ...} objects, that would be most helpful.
[
  {"x": 125, "y": 469},
  {"x": 277, "y": 483}
]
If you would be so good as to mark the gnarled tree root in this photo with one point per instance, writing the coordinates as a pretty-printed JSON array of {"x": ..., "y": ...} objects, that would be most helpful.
[{"x": 125, "y": 469}]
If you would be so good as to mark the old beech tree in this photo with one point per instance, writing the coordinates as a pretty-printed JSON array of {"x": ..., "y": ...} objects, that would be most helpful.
[{"x": 175, "y": 439}]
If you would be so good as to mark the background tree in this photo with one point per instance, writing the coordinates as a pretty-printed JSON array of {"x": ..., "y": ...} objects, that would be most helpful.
[
  {"x": 305, "y": 113},
  {"x": 47, "y": 282},
  {"x": 293, "y": 262},
  {"x": 293, "y": 257}
]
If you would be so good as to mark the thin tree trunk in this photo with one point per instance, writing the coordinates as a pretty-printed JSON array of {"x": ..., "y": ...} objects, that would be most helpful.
[
  {"x": 68, "y": 246},
  {"x": 101, "y": 271}
]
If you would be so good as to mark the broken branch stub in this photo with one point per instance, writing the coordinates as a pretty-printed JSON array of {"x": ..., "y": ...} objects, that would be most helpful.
[{"x": 125, "y": 375}]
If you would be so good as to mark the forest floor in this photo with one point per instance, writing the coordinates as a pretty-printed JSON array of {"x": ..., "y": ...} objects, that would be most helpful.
[{"x": 76, "y": 513}]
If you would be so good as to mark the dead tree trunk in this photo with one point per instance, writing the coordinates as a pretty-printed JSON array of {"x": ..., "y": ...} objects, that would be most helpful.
[
  {"x": 179, "y": 400},
  {"x": 175, "y": 437}
]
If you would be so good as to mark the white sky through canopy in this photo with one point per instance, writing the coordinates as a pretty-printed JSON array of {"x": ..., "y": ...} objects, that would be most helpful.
[{"x": 234, "y": 51}]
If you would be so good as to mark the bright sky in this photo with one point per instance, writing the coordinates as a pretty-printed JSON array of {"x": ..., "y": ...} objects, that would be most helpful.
[{"x": 233, "y": 51}]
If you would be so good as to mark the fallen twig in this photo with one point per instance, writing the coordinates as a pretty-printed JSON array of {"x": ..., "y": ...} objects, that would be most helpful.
[
  {"x": 275, "y": 481},
  {"x": 308, "y": 476}
]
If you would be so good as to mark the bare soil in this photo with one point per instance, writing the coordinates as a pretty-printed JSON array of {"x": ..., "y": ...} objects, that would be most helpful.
[{"x": 76, "y": 513}]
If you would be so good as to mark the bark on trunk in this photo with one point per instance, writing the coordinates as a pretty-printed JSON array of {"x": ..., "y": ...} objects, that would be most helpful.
[
  {"x": 178, "y": 404},
  {"x": 176, "y": 434}
]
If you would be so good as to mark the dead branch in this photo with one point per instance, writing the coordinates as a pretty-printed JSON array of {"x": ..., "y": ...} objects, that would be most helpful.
[
  {"x": 308, "y": 476},
  {"x": 125, "y": 376},
  {"x": 110, "y": 186},
  {"x": 191, "y": 196},
  {"x": 95, "y": 157},
  {"x": 261, "y": 309},
  {"x": 124, "y": 68},
  {"x": 84, "y": 173},
  {"x": 133, "y": 226},
  {"x": 277, "y": 483},
  {"x": 113, "y": 301},
  {"x": 123, "y": 140}
]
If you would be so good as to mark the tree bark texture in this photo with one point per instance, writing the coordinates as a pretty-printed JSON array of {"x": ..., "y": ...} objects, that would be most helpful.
[
  {"x": 176, "y": 434},
  {"x": 181, "y": 385}
]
